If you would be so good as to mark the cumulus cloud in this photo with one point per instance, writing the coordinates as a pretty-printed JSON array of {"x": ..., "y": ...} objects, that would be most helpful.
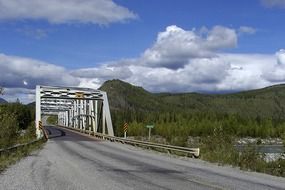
[
  {"x": 65, "y": 11},
  {"x": 246, "y": 71},
  {"x": 273, "y": 3},
  {"x": 179, "y": 61},
  {"x": 175, "y": 46},
  {"x": 23, "y": 94},
  {"x": 19, "y": 72},
  {"x": 94, "y": 83},
  {"x": 223, "y": 73},
  {"x": 277, "y": 72}
]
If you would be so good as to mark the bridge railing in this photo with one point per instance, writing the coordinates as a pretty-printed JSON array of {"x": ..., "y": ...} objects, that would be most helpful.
[{"x": 195, "y": 152}]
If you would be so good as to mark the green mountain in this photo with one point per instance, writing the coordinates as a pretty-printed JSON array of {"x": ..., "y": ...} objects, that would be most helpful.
[
  {"x": 268, "y": 102},
  {"x": 124, "y": 96}
]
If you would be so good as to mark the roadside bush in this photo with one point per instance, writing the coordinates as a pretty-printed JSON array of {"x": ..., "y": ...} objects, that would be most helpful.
[
  {"x": 9, "y": 131},
  {"x": 249, "y": 158},
  {"x": 19, "y": 111},
  {"x": 277, "y": 168},
  {"x": 219, "y": 148},
  {"x": 16, "y": 124}
]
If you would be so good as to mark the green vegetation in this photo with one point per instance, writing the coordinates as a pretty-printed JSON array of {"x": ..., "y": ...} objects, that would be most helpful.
[
  {"x": 217, "y": 120},
  {"x": 219, "y": 148},
  {"x": 52, "y": 120},
  {"x": 16, "y": 124},
  {"x": 256, "y": 113},
  {"x": 16, "y": 127}
]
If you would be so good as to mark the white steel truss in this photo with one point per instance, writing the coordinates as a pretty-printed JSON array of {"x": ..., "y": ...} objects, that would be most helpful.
[{"x": 81, "y": 108}]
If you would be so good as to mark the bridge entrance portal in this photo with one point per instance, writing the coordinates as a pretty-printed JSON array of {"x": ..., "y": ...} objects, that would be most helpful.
[{"x": 81, "y": 108}]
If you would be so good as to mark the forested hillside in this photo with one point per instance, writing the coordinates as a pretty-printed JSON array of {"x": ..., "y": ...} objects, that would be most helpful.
[{"x": 258, "y": 113}]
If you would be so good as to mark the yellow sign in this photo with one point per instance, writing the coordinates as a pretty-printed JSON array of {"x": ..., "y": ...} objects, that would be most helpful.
[
  {"x": 79, "y": 95},
  {"x": 40, "y": 125}
]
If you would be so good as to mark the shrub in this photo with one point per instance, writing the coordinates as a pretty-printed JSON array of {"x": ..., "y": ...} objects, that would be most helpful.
[{"x": 8, "y": 130}]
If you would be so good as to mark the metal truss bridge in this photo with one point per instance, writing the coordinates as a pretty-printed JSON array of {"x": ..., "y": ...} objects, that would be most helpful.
[{"x": 79, "y": 108}]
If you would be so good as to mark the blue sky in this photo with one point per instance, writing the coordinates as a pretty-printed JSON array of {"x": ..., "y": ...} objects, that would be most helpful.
[{"x": 162, "y": 45}]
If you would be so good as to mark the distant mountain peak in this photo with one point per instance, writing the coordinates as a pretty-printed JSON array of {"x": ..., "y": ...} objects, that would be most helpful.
[{"x": 121, "y": 85}]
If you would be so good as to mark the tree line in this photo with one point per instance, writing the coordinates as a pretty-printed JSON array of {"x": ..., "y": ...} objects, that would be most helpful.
[{"x": 173, "y": 124}]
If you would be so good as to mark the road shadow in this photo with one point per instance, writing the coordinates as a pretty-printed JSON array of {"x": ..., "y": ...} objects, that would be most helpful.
[{"x": 59, "y": 134}]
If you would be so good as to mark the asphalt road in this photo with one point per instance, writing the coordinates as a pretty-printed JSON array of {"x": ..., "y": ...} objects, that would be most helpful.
[{"x": 73, "y": 161}]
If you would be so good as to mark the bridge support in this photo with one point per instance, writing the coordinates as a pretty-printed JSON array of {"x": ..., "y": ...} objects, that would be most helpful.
[{"x": 81, "y": 108}]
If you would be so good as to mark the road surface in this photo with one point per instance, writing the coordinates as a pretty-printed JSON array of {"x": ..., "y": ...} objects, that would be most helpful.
[{"x": 73, "y": 161}]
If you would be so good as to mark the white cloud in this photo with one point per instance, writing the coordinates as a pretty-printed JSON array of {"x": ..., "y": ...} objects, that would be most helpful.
[
  {"x": 179, "y": 61},
  {"x": 65, "y": 11},
  {"x": 221, "y": 37},
  {"x": 281, "y": 57},
  {"x": 20, "y": 72},
  {"x": 223, "y": 73},
  {"x": 23, "y": 94},
  {"x": 175, "y": 46},
  {"x": 94, "y": 83},
  {"x": 246, "y": 30},
  {"x": 247, "y": 71},
  {"x": 273, "y": 3},
  {"x": 277, "y": 72}
]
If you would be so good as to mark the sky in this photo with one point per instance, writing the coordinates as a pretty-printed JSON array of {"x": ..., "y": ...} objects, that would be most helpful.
[{"x": 174, "y": 46}]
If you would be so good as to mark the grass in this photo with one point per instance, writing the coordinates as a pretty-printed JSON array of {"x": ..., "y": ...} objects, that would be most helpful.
[{"x": 11, "y": 157}]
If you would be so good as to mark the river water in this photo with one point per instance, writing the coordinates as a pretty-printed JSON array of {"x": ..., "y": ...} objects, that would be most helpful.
[{"x": 263, "y": 148}]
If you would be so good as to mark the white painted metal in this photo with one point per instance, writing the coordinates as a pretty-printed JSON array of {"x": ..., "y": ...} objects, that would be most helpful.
[
  {"x": 96, "y": 115},
  {"x": 107, "y": 118},
  {"x": 38, "y": 112},
  {"x": 75, "y": 107}
]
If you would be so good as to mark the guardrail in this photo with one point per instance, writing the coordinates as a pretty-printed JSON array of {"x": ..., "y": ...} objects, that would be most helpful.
[
  {"x": 15, "y": 147},
  {"x": 169, "y": 148},
  {"x": 12, "y": 148}
]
